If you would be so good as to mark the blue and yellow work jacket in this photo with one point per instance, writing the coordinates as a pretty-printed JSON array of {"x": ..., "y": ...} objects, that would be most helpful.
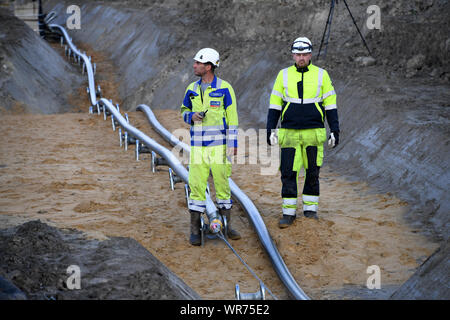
[{"x": 220, "y": 124}]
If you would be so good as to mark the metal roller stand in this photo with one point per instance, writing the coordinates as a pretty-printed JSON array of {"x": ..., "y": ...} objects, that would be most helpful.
[
  {"x": 186, "y": 191},
  {"x": 131, "y": 139},
  {"x": 156, "y": 161},
  {"x": 106, "y": 112},
  {"x": 174, "y": 179},
  {"x": 99, "y": 92},
  {"x": 124, "y": 139},
  {"x": 258, "y": 295},
  {"x": 144, "y": 149},
  {"x": 113, "y": 124},
  {"x": 125, "y": 135},
  {"x": 141, "y": 148},
  {"x": 114, "y": 121},
  {"x": 137, "y": 150}
]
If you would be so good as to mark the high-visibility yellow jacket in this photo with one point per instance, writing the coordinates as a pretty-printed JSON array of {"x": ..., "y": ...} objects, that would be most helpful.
[
  {"x": 220, "y": 124},
  {"x": 303, "y": 97}
]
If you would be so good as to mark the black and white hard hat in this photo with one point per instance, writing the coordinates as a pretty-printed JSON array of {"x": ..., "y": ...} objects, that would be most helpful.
[{"x": 301, "y": 45}]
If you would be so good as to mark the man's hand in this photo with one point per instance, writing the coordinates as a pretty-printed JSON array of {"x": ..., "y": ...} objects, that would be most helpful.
[
  {"x": 197, "y": 117},
  {"x": 273, "y": 138},
  {"x": 333, "y": 140}
]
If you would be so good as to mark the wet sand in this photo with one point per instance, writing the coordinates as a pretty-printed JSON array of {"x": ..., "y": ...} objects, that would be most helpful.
[{"x": 69, "y": 171}]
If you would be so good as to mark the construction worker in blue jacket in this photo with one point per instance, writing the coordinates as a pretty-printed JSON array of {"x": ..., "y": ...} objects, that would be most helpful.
[
  {"x": 303, "y": 97},
  {"x": 209, "y": 106}
]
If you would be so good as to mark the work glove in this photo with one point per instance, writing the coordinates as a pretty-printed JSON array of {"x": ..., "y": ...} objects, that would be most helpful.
[
  {"x": 333, "y": 139},
  {"x": 273, "y": 138}
]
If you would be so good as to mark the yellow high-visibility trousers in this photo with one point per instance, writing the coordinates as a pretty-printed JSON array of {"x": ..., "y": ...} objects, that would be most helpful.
[{"x": 204, "y": 160}]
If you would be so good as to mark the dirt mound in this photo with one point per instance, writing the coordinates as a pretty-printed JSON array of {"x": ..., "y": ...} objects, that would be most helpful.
[{"x": 36, "y": 258}]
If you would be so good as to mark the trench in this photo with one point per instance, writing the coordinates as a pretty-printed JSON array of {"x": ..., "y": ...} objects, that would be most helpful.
[{"x": 329, "y": 258}]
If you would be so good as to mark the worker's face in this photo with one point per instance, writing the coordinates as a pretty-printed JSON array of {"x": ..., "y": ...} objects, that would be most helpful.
[
  {"x": 302, "y": 59},
  {"x": 200, "y": 69}
]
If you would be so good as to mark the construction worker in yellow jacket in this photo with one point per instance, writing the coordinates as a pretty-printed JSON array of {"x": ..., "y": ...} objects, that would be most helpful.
[
  {"x": 209, "y": 106},
  {"x": 303, "y": 96}
]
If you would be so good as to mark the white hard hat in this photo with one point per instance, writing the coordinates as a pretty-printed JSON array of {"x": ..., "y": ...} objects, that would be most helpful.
[
  {"x": 301, "y": 45},
  {"x": 208, "y": 55}
]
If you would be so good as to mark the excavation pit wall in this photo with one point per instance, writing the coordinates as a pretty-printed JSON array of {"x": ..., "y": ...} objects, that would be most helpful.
[{"x": 27, "y": 82}]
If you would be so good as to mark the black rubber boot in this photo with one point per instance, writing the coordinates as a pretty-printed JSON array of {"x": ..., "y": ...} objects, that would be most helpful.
[
  {"x": 195, "y": 238},
  {"x": 311, "y": 214},
  {"x": 286, "y": 221},
  {"x": 231, "y": 234}
]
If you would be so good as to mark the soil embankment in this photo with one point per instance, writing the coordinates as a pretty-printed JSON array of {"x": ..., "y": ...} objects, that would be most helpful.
[{"x": 33, "y": 77}]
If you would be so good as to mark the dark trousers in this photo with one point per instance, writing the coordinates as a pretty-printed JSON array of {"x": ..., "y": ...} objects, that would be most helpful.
[{"x": 289, "y": 178}]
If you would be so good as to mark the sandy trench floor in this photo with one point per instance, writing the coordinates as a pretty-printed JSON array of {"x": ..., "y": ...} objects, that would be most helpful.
[{"x": 69, "y": 171}]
